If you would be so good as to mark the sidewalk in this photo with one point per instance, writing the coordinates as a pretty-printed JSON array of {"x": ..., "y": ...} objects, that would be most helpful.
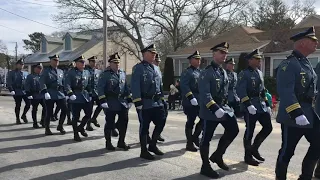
[{"x": 5, "y": 92}]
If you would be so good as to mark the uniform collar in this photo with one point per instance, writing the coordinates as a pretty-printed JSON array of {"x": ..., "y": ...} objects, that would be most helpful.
[
  {"x": 297, "y": 54},
  {"x": 192, "y": 67},
  {"x": 215, "y": 65},
  {"x": 251, "y": 68}
]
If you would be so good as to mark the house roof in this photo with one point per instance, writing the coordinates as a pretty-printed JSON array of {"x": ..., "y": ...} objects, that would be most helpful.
[
  {"x": 240, "y": 39},
  {"x": 312, "y": 20},
  {"x": 53, "y": 39},
  {"x": 246, "y": 39},
  {"x": 78, "y": 36},
  {"x": 64, "y": 55}
]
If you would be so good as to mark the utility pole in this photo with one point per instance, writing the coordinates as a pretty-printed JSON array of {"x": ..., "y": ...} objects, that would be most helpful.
[
  {"x": 16, "y": 49},
  {"x": 105, "y": 31}
]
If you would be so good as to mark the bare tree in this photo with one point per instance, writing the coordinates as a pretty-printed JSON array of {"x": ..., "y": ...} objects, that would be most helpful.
[
  {"x": 275, "y": 14},
  {"x": 145, "y": 21}
]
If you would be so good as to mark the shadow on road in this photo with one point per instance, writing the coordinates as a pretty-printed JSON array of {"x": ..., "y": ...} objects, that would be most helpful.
[
  {"x": 44, "y": 145},
  {"x": 49, "y": 160},
  {"x": 17, "y": 130},
  {"x": 22, "y": 137},
  {"x": 234, "y": 169},
  {"x": 120, "y": 165}
]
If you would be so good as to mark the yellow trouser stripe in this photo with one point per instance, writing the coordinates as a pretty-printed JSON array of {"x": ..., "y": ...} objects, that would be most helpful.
[
  {"x": 245, "y": 99},
  {"x": 188, "y": 94},
  {"x": 293, "y": 107},
  {"x": 101, "y": 97},
  {"x": 136, "y": 100},
  {"x": 210, "y": 103}
]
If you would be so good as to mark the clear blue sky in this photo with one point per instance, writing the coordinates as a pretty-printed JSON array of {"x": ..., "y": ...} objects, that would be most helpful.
[{"x": 41, "y": 13}]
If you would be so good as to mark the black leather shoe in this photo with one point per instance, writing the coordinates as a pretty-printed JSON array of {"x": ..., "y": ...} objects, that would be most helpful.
[
  {"x": 83, "y": 133},
  {"x": 256, "y": 154},
  {"x": 62, "y": 131},
  {"x": 123, "y": 146},
  {"x": 36, "y": 126},
  {"x": 24, "y": 118},
  {"x": 95, "y": 123},
  {"x": 160, "y": 138},
  {"x": 155, "y": 150},
  {"x": 219, "y": 161},
  {"x": 109, "y": 146},
  {"x": 89, "y": 127},
  {"x": 207, "y": 171},
  {"x": 48, "y": 132},
  {"x": 114, "y": 133}
]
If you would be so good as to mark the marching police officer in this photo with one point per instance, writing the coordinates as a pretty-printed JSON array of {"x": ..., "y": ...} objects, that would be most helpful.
[
  {"x": 115, "y": 98},
  {"x": 213, "y": 89},
  {"x": 15, "y": 84},
  {"x": 51, "y": 82},
  {"x": 233, "y": 99},
  {"x": 156, "y": 63},
  {"x": 251, "y": 91},
  {"x": 94, "y": 76},
  {"x": 78, "y": 87},
  {"x": 296, "y": 86},
  {"x": 147, "y": 95},
  {"x": 32, "y": 88},
  {"x": 317, "y": 108},
  {"x": 190, "y": 92}
]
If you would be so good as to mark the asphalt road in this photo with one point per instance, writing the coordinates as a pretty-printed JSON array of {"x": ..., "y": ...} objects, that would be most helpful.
[{"x": 26, "y": 153}]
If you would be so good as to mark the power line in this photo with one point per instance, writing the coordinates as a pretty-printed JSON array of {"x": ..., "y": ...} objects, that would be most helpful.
[
  {"x": 13, "y": 29},
  {"x": 36, "y": 3},
  {"x": 27, "y": 18}
]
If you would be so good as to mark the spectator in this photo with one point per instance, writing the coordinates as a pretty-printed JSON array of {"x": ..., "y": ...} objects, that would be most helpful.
[
  {"x": 172, "y": 97},
  {"x": 269, "y": 96},
  {"x": 178, "y": 95}
]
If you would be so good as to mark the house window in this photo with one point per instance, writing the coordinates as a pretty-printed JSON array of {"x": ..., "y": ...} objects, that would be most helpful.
[
  {"x": 67, "y": 43},
  {"x": 184, "y": 65},
  {"x": 44, "y": 46}
]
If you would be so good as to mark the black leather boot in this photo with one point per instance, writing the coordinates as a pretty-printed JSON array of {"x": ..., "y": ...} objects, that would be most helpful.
[
  {"x": 47, "y": 128},
  {"x": 89, "y": 127},
  {"x": 317, "y": 171},
  {"x": 153, "y": 145},
  {"x": 248, "y": 159},
  {"x": 308, "y": 166},
  {"x": 121, "y": 141},
  {"x": 145, "y": 154},
  {"x": 160, "y": 138},
  {"x": 216, "y": 157},
  {"x": 109, "y": 145},
  {"x": 114, "y": 133},
  {"x": 254, "y": 149},
  {"x": 281, "y": 171},
  {"x": 75, "y": 131},
  {"x": 206, "y": 169},
  {"x": 17, "y": 112},
  {"x": 190, "y": 145},
  {"x": 196, "y": 134}
]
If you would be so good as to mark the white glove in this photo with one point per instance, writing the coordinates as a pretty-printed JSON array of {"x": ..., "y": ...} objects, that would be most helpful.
[
  {"x": 104, "y": 105},
  {"x": 12, "y": 93},
  {"x": 90, "y": 98},
  {"x": 269, "y": 110},
  {"x": 139, "y": 107},
  {"x": 129, "y": 105},
  {"x": 237, "y": 99},
  {"x": 194, "y": 102},
  {"x": 252, "y": 110},
  {"x": 47, "y": 96},
  {"x": 219, "y": 113},
  {"x": 67, "y": 97},
  {"x": 73, "y": 97},
  {"x": 302, "y": 120},
  {"x": 30, "y": 97}
]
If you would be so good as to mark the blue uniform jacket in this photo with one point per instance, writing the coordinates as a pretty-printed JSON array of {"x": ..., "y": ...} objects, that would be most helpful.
[
  {"x": 94, "y": 78},
  {"x": 78, "y": 83},
  {"x": 113, "y": 89},
  {"x": 146, "y": 86},
  {"x": 296, "y": 86},
  {"x": 213, "y": 89},
  {"x": 232, "y": 93},
  {"x": 15, "y": 82},
  {"x": 51, "y": 81},
  {"x": 189, "y": 85},
  {"x": 32, "y": 86},
  {"x": 251, "y": 91}
]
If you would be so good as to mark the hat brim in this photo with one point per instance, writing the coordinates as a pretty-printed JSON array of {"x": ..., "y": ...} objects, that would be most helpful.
[
  {"x": 256, "y": 56},
  {"x": 55, "y": 59},
  {"x": 221, "y": 49},
  {"x": 114, "y": 61},
  {"x": 312, "y": 37}
]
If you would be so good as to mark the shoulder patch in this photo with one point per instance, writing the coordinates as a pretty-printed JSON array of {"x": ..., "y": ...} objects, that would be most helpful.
[{"x": 283, "y": 65}]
